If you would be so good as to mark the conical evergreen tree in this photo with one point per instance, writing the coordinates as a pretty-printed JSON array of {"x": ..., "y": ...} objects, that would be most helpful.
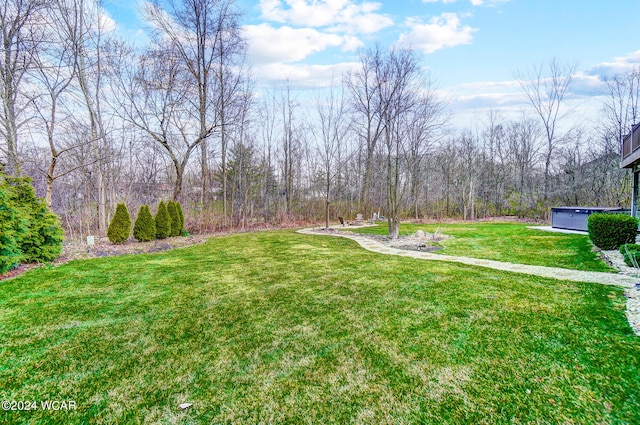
[
  {"x": 144, "y": 229},
  {"x": 120, "y": 227},
  {"x": 181, "y": 215},
  {"x": 163, "y": 222},
  {"x": 175, "y": 218}
]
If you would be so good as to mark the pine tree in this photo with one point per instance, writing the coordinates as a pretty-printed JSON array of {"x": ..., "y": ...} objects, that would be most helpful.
[
  {"x": 144, "y": 229},
  {"x": 120, "y": 227},
  {"x": 181, "y": 215},
  {"x": 163, "y": 222},
  {"x": 175, "y": 218}
]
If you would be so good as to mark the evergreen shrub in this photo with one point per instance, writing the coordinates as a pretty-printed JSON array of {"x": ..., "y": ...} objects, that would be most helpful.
[
  {"x": 10, "y": 227},
  {"x": 610, "y": 231},
  {"x": 29, "y": 232},
  {"x": 181, "y": 216},
  {"x": 119, "y": 229},
  {"x": 175, "y": 218},
  {"x": 144, "y": 229},
  {"x": 163, "y": 222}
]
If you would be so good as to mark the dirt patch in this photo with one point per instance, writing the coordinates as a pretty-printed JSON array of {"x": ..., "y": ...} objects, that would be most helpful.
[{"x": 79, "y": 250}]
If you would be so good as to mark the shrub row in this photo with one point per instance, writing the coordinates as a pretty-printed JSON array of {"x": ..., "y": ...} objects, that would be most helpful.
[
  {"x": 29, "y": 232},
  {"x": 169, "y": 221},
  {"x": 610, "y": 231}
]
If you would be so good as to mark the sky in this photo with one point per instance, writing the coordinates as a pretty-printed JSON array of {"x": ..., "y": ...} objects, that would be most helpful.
[{"x": 471, "y": 49}]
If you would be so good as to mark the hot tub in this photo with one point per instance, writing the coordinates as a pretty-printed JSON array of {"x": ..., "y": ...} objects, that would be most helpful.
[{"x": 575, "y": 218}]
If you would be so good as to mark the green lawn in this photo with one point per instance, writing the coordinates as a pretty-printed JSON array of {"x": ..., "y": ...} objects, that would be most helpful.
[
  {"x": 278, "y": 327},
  {"x": 510, "y": 242}
]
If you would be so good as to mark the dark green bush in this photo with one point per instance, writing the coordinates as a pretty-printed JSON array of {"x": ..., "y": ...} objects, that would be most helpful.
[
  {"x": 163, "y": 222},
  {"x": 29, "y": 232},
  {"x": 610, "y": 231},
  {"x": 144, "y": 229},
  {"x": 631, "y": 254},
  {"x": 119, "y": 229},
  {"x": 10, "y": 227},
  {"x": 175, "y": 218},
  {"x": 181, "y": 216}
]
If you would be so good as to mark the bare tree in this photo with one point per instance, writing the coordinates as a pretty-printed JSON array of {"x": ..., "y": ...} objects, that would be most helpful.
[
  {"x": 245, "y": 173},
  {"x": 523, "y": 146},
  {"x": 19, "y": 39},
  {"x": 155, "y": 100},
  {"x": 622, "y": 108},
  {"x": 423, "y": 124},
  {"x": 81, "y": 23},
  {"x": 400, "y": 82},
  {"x": 331, "y": 130},
  {"x": 232, "y": 102},
  {"x": 267, "y": 126},
  {"x": 364, "y": 86},
  {"x": 467, "y": 157},
  {"x": 493, "y": 178},
  {"x": 288, "y": 106},
  {"x": 54, "y": 71},
  {"x": 546, "y": 87},
  {"x": 204, "y": 37}
]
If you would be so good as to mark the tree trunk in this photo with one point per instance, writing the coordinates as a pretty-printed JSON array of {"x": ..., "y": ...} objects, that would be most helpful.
[
  {"x": 326, "y": 213},
  {"x": 12, "y": 167},
  {"x": 204, "y": 165}
]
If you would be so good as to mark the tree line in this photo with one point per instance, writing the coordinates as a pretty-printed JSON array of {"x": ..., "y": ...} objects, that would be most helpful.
[{"x": 96, "y": 121}]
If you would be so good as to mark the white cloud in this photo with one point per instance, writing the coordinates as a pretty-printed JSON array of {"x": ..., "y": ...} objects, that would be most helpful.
[
  {"x": 436, "y": 1},
  {"x": 484, "y": 86},
  {"x": 351, "y": 43},
  {"x": 584, "y": 84},
  {"x": 475, "y": 100},
  {"x": 488, "y": 93},
  {"x": 342, "y": 15},
  {"x": 441, "y": 31},
  {"x": 301, "y": 75},
  {"x": 106, "y": 22},
  {"x": 488, "y": 3},
  {"x": 267, "y": 44},
  {"x": 619, "y": 65}
]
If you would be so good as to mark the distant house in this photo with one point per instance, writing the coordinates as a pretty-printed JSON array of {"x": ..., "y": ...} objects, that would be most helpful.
[{"x": 630, "y": 158}]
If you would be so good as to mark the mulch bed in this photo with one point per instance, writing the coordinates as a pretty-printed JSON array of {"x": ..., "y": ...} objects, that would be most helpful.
[{"x": 80, "y": 250}]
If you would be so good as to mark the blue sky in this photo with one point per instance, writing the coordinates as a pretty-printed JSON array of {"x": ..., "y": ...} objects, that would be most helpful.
[{"x": 470, "y": 47}]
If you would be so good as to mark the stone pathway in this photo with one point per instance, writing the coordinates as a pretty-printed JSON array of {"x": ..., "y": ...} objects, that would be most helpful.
[{"x": 617, "y": 279}]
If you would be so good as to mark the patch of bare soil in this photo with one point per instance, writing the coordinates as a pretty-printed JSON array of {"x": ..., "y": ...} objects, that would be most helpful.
[{"x": 78, "y": 250}]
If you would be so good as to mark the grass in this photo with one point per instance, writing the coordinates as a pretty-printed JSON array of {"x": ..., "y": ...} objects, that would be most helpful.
[
  {"x": 510, "y": 242},
  {"x": 277, "y": 327}
]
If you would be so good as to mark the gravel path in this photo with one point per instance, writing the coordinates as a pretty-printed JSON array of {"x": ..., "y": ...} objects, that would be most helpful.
[{"x": 626, "y": 281}]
